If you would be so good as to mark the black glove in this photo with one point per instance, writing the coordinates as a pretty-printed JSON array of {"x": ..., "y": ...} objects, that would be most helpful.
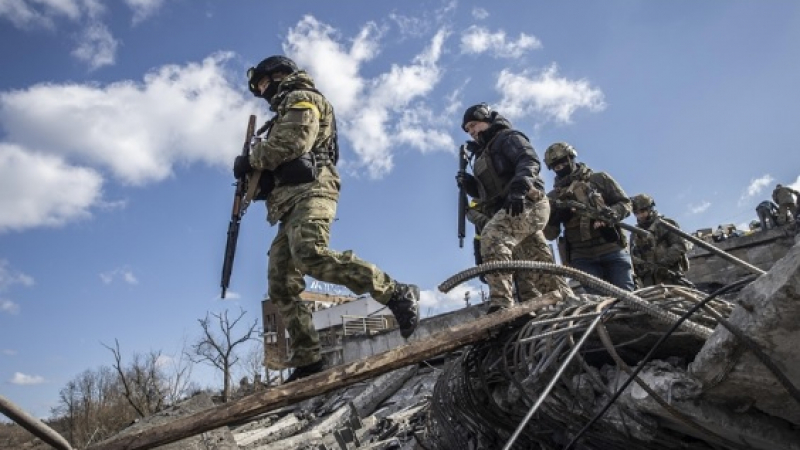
[
  {"x": 463, "y": 178},
  {"x": 472, "y": 147},
  {"x": 241, "y": 166},
  {"x": 514, "y": 205}
]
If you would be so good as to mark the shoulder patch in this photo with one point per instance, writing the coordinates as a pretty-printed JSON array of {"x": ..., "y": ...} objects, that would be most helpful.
[{"x": 305, "y": 105}]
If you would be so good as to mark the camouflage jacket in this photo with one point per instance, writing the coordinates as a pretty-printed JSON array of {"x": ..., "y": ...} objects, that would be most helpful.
[
  {"x": 584, "y": 185},
  {"x": 304, "y": 121},
  {"x": 661, "y": 249},
  {"x": 783, "y": 195}
]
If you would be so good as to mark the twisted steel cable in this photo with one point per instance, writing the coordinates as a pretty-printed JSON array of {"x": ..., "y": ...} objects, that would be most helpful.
[{"x": 483, "y": 396}]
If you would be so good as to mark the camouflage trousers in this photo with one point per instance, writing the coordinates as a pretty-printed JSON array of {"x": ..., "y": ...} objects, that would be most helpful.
[
  {"x": 301, "y": 248},
  {"x": 506, "y": 238},
  {"x": 786, "y": 213}
]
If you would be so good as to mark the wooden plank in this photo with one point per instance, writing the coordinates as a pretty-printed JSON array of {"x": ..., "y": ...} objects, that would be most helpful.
[{"x": 337, "y": 377}]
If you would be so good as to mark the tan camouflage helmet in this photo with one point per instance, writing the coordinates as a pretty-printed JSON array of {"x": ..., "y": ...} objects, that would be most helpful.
[
  {"x": 558, "y": 151},
  {"x": 642, "y": 201}
]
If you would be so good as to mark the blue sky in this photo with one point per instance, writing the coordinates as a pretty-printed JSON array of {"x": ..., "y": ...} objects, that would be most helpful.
[{"x": 119, "y": 122}]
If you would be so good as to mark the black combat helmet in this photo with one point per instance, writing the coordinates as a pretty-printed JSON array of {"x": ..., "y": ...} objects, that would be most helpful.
[
  {"x": 480, "y": 112},
  {"x": 267, "y": 68}
]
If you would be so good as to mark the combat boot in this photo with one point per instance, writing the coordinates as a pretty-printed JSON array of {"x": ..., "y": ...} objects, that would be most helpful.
[
  {"x": 305, "y": 371},
  {"x": 404, "y": 304}
]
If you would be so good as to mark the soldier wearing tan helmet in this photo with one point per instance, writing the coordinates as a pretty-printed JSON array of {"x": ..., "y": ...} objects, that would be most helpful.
[
  {"x": 787, "y": 209},
  {"x": 590, "y": 245},
  {"x": 659, "y": 258}
]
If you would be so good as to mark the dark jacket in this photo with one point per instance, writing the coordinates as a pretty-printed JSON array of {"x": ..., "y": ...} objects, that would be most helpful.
[{"x": 505, "y": 164}]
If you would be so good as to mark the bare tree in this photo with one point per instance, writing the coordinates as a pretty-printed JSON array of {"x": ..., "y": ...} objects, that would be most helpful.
[
  {"x": 144, "y": 385},
  {"x": 218, "y": 350}
]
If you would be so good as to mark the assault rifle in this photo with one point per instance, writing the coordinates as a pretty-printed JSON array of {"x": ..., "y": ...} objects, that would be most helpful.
[
  {"x": 604, "y": 214},
  {"x": 463, "y": 159},
  {"x": 241, "y": 200},
  {"x": 655, "y": 267}
]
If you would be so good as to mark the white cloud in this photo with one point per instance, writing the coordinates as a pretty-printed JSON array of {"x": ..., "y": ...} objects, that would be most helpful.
[
  {"x": 43, "y": 190},
  {"x": 143, "y": 9},
  {"x": 8, "y": 307},
  {"x": 755, "y": 187},
  {"x": 178, "y": 114},
  {"x": 123, "y": 273},
  {"x": 480, "y": 14},
  {"x": 8, "y": 352},
  {"x": 697, "y": 209},
  {"x": 367, "y": 108},
  {"x": 30, "y": 14},
  {"x": 10, "y": 277},
  {"x": 26, "y": 380},
  {"x": 434, "y": 302},
  {"x": 478, "y": 39},
  {"x": 796, "y": 184},
  {"x": 97, "y": 47},
  {"x": 546, "y": 95}
]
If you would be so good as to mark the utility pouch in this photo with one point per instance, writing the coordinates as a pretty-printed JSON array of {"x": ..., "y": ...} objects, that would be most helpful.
[
  {"x": 297, "y": 171},
  {"x": 266, "y": 183}
]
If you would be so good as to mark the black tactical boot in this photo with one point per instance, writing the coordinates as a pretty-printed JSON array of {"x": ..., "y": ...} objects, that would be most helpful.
[
  {"x": 307, "y": 370},
  {"x": 404, "y": 304}
]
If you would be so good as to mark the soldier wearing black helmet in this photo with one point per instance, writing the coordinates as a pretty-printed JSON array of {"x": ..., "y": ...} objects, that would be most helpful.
[
  {"x": 659, "y": 258},
  {"x": 590, "y": 245},
  {"x": 512, "y": 208},
  {"x": 301, "y": 151}
]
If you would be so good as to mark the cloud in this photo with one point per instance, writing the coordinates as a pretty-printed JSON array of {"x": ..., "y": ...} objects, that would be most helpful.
[
  {"x": 755, "y": 187},
  {"x": 10, "y": 277},
  {"x": 32, "y": 14},
  {"x": 476, "y": 40},
  {"x": 124, "y": 274},
  {"x": 8, "y": 307},
  {"x": 367, "y": 109},
  {"x": 796, "y": 184},
  {"x": 26, "y": 380},
  {"x": 8, "y": 352},
  {"x": 96, "y": 47},
  {"x": 43, "y": 190},
  {"x": 480, "y": 14},
  {"x": 697, "y": 209},
  {"x": 435, "y": 302},
  {"x": 137, "y": 130},
  {"x": 143, "y": 9},
  {"x": 545, "y": 95}
]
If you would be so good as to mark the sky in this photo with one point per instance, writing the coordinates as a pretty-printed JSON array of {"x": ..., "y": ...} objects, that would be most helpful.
[{"x": 119, "y": 123}]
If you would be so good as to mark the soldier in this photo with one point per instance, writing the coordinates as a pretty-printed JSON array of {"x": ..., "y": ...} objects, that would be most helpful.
[
  {"x": 659, "y": 258},
  {"x": 767, "y": 214},
  {"x": 787, "y": 210},
  {"x": 300, "y": 150},
  {"x": 510, "y": 194},
  {"x": 590, "y": 245}
]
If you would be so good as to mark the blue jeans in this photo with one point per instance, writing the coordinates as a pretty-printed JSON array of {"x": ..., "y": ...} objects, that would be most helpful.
[{"x": 614, "y": 267}]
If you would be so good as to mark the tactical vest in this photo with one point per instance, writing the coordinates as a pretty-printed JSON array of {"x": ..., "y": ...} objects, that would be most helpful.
[
  {"x": 305, "y": 168},
  {"x": 492, "y": 188}
]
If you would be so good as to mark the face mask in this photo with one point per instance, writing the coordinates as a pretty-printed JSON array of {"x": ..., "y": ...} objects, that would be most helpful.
[{"x": 566, "y": 170}]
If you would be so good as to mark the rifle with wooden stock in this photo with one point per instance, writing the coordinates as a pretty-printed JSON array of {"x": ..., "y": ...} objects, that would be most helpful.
[{"x": 243, "y": 195}]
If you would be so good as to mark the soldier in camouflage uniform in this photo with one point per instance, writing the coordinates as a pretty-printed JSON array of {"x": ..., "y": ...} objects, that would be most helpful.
[
  {"x": 300, "y": 151},
  {"x": 512, "y": 208},
  {"x": 589, "y": 245},
  {"x": 661, "y": 257},
  {"x": 787, "y": 210}
]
